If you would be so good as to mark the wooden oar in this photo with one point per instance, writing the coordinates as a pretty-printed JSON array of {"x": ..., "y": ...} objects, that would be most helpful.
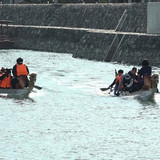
[{"x": 37, "y": 87}]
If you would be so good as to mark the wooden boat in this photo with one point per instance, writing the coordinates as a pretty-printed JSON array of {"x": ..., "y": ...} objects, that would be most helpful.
[{"x": 20, "y": 92}]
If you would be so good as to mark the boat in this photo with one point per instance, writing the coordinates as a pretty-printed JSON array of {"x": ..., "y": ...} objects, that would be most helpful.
[
  {"x": 20, "y": 92},
  {"x": 149, "y": 92},
  {"x": 144, "y": 94},
  {"x": 6, "y": 41}
]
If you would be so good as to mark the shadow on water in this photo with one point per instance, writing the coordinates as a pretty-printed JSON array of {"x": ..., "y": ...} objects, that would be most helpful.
[{"x": 147, "y": 102}]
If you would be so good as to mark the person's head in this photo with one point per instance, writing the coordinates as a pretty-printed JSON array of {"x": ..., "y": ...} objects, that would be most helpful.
[
  {"x": 2, "y": 69},
  {"x": 134, "y": 70},
  {"x": 120, "y": 72},
  {"x": 19, "y": 60},
  {"x": 145, "y": 62}
]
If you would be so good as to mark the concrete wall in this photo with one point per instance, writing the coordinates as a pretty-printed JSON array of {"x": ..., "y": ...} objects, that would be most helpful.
[
  {"x": 11, "y": 1},
  {"x": 99, "y": 16},
  {"x": 136, "y": 19},
  {"x": 92, "y": 44},
  {"x": 153, "y": 17},
  {"x": 89, "y": 44},
  {"x": 134, "y": 48},
  {"x": 81, "y": 43}
]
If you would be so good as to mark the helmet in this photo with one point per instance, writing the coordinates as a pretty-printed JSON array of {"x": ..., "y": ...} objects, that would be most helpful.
[{"x": 19, "y": 60}]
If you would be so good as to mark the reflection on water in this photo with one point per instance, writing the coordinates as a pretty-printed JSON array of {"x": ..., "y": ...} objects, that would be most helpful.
[{"x": 70, "y": 118}]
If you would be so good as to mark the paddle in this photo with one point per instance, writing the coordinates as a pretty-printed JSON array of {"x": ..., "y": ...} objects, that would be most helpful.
[
  {"x": 104, "y": 89},
  {"x": 37, "y": 87}
]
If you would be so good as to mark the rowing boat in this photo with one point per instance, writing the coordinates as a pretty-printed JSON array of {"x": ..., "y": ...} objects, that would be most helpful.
[
  {"x": 20, "y": 92},
  {"x": 143, "y": 93}
]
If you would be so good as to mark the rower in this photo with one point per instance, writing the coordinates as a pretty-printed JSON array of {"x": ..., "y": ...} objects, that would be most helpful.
[
  {"x": 138, "y": 83},
  {"x": 5, "y": 79},
  {"x": 20, "y": 71},
  {"x": 118, "y": 81},
  {"x": 125, "y": 84},
  {"x": 146, "y": 72}
]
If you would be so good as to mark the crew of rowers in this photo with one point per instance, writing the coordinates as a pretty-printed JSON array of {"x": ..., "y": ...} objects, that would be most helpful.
[
  {"x": 8, "y": 80},
  {"x": 131, "y": 81}
]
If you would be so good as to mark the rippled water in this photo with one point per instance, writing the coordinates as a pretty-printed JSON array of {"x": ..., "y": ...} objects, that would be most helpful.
[{"x": 71, "y": 119}]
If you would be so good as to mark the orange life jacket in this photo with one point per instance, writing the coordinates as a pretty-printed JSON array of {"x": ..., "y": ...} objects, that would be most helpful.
[
  {"x": 0, "y": 80},
  {"x": 21, "y": 69},
  {"x": 6, "y": 82},
  {"x": 118, "y": 80}
]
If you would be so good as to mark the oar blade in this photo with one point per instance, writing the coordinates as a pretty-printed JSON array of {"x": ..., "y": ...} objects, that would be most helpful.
[
  {"x": 104, "y": 89},
  {"x": 37, "y": 87}
]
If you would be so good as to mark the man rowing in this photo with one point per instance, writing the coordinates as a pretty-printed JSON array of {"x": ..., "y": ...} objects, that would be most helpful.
[
  {"x": 5, "y": 78},
  {"x": 20, "y": 71}
]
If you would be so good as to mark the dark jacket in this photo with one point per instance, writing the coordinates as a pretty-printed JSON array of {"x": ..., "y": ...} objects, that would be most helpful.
[{"x": 146, "y": 71}]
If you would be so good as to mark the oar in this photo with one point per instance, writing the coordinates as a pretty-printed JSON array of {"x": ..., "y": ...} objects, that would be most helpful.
[
  {"x": 37, "y": 87},
  {"x": 104, "y": 89}
]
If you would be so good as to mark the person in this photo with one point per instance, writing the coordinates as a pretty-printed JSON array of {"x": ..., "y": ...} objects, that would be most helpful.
[
  {"x": 20, "y": 69},
  {"x": 5, "y": 78},
  {"x": 138, "y": 83},
  {"x": 146, "y": 69},
  {"x": 134, "y": 77},
  {"x": 125, "y": 84},
  {"x": 1, "y": 73},
  {"x": 133, "y": 72},
  {"x": 117, "y": 81},
  {"x": 146, "y": 72}
]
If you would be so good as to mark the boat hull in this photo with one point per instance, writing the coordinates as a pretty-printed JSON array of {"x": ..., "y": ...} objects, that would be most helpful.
[{"x": 15, "y": 92}]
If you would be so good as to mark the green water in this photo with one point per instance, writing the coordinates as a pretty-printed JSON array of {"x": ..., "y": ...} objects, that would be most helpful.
[{"x": 70, "y": 119}]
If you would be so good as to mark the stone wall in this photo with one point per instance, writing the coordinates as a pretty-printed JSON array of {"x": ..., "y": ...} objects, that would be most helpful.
[
  {"x": 136, "y": 19},
  {"x": 134, "y": 48},
  {"x": 98, "y": 16},
  {"x": 79, "y": 42},
  {"x": 89, "y": 44},
  {"x": 85, "y": 41}
]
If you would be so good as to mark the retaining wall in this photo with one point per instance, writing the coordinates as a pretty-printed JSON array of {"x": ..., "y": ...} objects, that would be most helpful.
[
  {"x": 135, "y": 48},
  {"x": 98, "y": 16},
  {"x": 84, "y": 41},
  {"x": 89, "y": 43}
]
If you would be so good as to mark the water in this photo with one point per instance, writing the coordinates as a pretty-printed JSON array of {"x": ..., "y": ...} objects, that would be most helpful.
[{"x": 70, "y": 119}]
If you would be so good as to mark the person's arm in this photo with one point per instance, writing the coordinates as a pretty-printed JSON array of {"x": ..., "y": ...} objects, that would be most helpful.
[
  {"x": 150, "y": 70},
  {"x": 27, "y": 69},
  {"x": 3, "y": 76},
  {"x": 113, "y": 83},
  {"x": 131, "y": 83},
  {"x": 14, "y": 71}
]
